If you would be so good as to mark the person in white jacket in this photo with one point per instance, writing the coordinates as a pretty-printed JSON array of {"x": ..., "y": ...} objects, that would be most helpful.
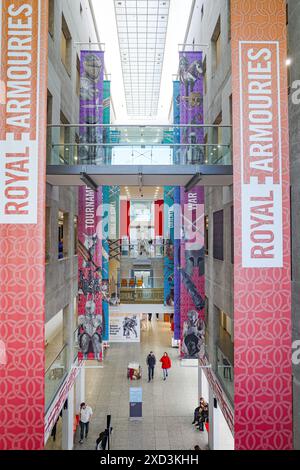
[{"x": 84, "y": 420}]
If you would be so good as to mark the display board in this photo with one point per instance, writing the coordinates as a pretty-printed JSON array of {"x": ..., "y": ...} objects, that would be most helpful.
[
  {"x": 124, "y": 328},
  {"x": 135, "y": 403}
]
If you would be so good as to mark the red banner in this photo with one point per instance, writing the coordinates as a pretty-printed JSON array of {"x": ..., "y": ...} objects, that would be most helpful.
[
  {"x": 23, "y": 79},
  {"x": 262, "y": 286}
]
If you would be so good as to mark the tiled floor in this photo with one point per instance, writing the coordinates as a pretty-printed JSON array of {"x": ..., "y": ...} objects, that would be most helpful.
[{"x": 167, "y": 406}]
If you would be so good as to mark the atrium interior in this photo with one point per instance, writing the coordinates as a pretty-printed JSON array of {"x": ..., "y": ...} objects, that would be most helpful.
[{"x": 149, "y": 289}]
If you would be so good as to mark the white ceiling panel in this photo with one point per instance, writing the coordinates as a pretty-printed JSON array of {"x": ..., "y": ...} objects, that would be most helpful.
[{"x": 142, "y": 29}]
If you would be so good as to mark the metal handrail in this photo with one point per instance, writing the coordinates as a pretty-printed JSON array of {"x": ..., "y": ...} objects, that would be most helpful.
[{"x": 137, "y": 144}]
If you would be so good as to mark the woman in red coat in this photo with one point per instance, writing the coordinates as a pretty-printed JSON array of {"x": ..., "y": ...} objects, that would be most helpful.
[{"x": 165, "y": 364}]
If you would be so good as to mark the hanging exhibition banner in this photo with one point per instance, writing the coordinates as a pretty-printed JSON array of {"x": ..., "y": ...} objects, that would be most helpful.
[
  {"x": 91, "y": 107},
  {"x": 176, "y": 211},
  {"x": 114, "y": 243},
  {"x": 105, "y": 262},
  {"x": 262, "y": 285},
  {"x": 192, "y": 288},
  {"x": 177, "y": 253},
  {"x": 106, "y": 214},
  {"x": 90, "y": 210},
  {"x": 124, "y": 328},
  {"x": 23, "y": 111},
  {"x": 169, "y": 245},
  {"x": 176, "y": 120},
  {"x": 191, "y": 107},
  {"x": 90, "y": 333},
  {"x": 106, "y": 121}
]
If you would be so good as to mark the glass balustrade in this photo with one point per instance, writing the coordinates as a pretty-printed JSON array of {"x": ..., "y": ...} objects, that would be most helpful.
[
  {"x": 57, "y": 372},
  {"x": 225, "y": 372},
  {"x": 55, "y": 376},
  {"x": 139, "y": 145},
  {"x": 142, "y": 249},
  {"x": 142, "y": 290}
]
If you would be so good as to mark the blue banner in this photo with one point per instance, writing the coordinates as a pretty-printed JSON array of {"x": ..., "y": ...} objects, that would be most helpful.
[
  {"x": 177, "y": 275},
  {"x": 176, "y": 120},
  {"x": 105, "y": 263}
]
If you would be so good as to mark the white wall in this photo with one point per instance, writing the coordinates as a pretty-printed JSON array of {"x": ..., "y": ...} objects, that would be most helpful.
[
  {"x": 205, "y": 387},
  {"x": 222, "y": 437}
]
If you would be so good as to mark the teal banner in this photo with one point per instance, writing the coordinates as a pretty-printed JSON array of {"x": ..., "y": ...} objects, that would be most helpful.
[
  {"x": 176, "y": 120},
  {"x": 106, "y": 121}
]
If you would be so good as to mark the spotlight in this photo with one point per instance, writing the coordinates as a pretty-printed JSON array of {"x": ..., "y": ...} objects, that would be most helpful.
[{"x": 288, "y": 62}]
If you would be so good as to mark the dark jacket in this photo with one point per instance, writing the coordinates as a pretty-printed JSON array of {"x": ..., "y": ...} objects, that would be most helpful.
[{"x": 151, "y": 360}]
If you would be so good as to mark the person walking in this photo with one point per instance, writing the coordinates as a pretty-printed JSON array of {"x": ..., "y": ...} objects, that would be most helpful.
[
  {"x": 165, "y": 364},
  {"x": 151, "y": 361},
  {"x": 101, "y": 441},
  {"x": 84, "y": 420}
]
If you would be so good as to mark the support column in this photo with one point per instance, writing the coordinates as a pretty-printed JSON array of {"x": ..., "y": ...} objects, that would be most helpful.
[
  {"x": 68, "y": 423},
  {"x": 22, "y": 231},
  {"x": 262, "y": 278},
  {"x": 68, "y": 332},
  {"x": 211, "y": 419},
  {"x": 80, "y": 389}
]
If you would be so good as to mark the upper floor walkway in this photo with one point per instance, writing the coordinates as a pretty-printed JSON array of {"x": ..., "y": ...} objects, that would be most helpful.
[{"x": 135, "y": 155}]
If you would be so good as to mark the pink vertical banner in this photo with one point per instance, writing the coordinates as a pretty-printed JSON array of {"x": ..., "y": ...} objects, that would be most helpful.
[
  {"x": 90, "y": 269},
  {"x": 23, "y": 126},
  {"x": 192, "y": 288},
  {"x": 263, "y": 396}
]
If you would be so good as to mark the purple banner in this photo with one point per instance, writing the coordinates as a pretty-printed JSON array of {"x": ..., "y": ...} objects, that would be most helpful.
[
  {"x": 192, "y": 286},
  {"x": 191, "y": 106},
  {"x": 91, "y": 107},
  {"x": 177, "y": 243}
]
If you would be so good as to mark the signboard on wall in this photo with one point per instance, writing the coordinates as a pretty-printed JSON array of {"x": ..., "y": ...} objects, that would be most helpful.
[
  {"x": 23, "y": 98},
  {"x": 124, "y": 328},
  {"x": 262, "y": 281}
]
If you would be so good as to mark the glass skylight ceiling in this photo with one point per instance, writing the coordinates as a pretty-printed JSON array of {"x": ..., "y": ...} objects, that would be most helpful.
[{"x": 142, "y": 29}]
